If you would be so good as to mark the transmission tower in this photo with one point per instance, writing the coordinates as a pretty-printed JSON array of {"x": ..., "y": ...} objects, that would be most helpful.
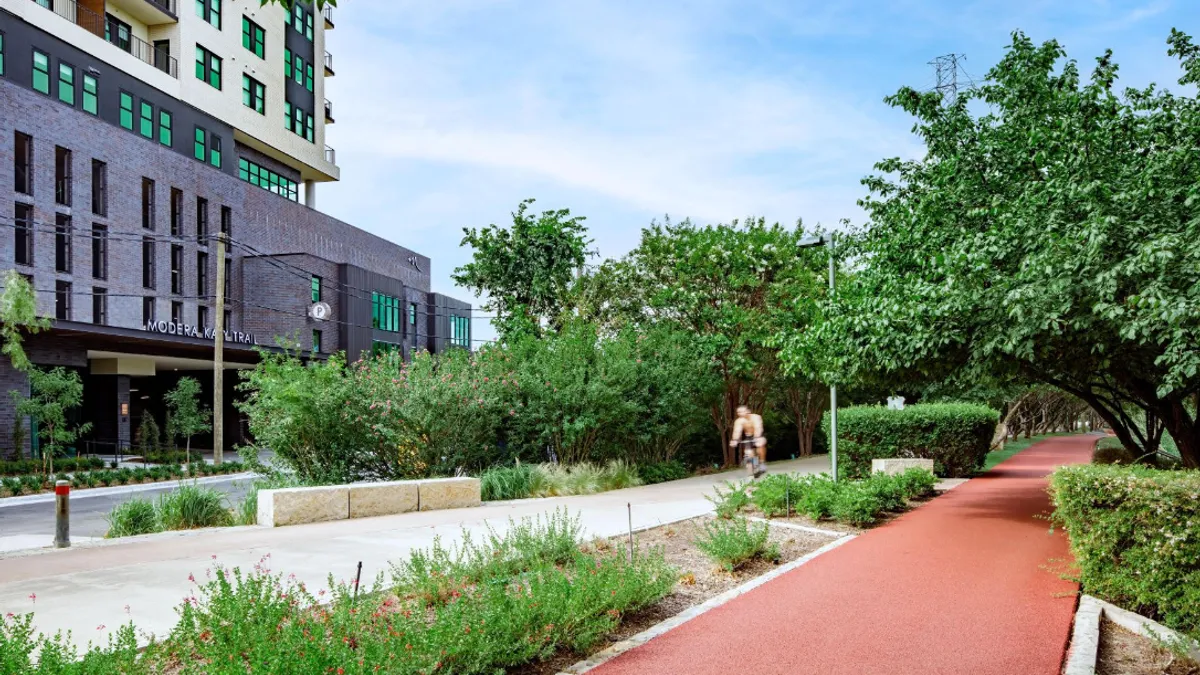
[{"x": 946, "y": 69}]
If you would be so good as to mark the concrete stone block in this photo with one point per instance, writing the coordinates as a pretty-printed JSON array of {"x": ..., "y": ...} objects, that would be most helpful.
[
  {"x": 383, "y": 499},
  {"x": 894, "y": 466},
  {"x": 449, "y": 493},
  {"x": 296, "y": 506}
]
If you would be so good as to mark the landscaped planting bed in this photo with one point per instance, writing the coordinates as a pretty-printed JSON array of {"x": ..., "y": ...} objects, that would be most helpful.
[
  {"x": 1125, "y": 653},
  {"x": 12, "y": 486}
]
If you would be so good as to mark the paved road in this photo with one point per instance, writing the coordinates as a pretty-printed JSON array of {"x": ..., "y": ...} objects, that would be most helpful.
[
  {"x": 963, "y": 584},
  {"x": 89, "y": 512}
]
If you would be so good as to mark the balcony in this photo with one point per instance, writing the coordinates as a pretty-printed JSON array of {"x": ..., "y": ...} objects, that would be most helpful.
[
  {"x": 149, "y": 12},
  {"x": 328, "y": 112},
  {"x": 114, "y": 33},
  {"x": 328, "y": 14},
  {"x": 330, "y": 155},
  {"x": 328, "y": 64}
]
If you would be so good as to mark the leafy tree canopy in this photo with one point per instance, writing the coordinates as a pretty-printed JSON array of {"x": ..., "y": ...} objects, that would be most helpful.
[{"x": 18, "y": 315}]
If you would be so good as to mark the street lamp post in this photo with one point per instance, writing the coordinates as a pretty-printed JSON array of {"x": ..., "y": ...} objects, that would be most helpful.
[{"x": 810, "y": 242}]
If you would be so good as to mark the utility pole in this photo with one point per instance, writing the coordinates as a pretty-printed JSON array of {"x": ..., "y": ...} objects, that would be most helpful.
[
  {"x": 946, "y": 70},
  {"x": 219, "y": 357}
]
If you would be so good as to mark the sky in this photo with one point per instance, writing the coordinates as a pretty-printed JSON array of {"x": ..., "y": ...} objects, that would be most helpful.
[{"x": 449, "y": 113}]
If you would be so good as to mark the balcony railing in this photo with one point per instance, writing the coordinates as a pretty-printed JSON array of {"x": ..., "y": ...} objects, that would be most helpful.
[
  {"x": 167, "y": 6},
  {"x": 328, "y": 63},
  {"x": 328, "y": 112},
  {"x": 114, "y": 34},
  {"x": 330, "y": 155},
  {"x": 328, "y": 14}
]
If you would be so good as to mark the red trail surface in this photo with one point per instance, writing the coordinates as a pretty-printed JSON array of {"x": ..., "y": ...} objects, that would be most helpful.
[{"x": 967, "y": 583}]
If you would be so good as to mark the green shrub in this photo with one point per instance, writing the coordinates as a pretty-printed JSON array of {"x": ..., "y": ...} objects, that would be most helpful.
[
  {"x": 733, "y": 542},
  {"x": 1133, "y": 533},
  {"x": 774, "y": 493},
  {"x": 888, "y": 490},
  {"x": 955, "y": 436},
  {"x": 190, "y": 506},
  {"x": 917, "y": 483},
  {"x": 136, "y": 516},
  {"x": 507, "y": 482},
  {"x": 857, "y": 503},
  {"x": 728, "y": 503},
  {"x": 1110, "y": 450},
  {"x": 32, "y": 483},
  {"x": 12, "y": 484},
  {"x": 818, "y": 494},
  {"x": 661, "y": 472}
]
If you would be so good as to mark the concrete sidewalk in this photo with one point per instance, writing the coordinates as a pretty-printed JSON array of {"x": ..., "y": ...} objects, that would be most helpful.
[{"x": 82, "y": 588}]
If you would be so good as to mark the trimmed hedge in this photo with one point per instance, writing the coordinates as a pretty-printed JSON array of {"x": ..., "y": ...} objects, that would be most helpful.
[
  {"x": 1135, "y": 535},
  {"x": 956, "y": 436},
  {"x": 17, "y": 467}
]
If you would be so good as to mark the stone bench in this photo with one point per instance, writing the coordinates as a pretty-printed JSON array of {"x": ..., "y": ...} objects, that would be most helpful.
[
  {"x": 897, "y": 465},
  {"x": 297, "y": 506}
]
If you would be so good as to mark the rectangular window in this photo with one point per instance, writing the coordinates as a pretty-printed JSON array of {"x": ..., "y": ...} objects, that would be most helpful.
[
  {"x": 148, "y": 313},
  {"x": 62, "y": 243},
  {"x": 385, "y": 312},
  {"x": 127, "y": 110},
  {"x": 254, "y": 38},
  {"x": 62, "y": 300},
  {"x": 226, "y": 220},
  {"x": 460, "y": 331},
  {"x": 41, "y": 72},
  {"x": 287, "y": 115},
  {"x": 267, "y": 179},
  {"x": 200, "y": 150},
  {"x": 148, "y": 262},
  {"x": 308, "y": 76},
  {"x": 62, "y": 176},
  {"x": 23, "y": 163},
  {"x": 254, "y": 95},
  {"x": 412, "y": 313},
  {"x": 99, "y": 188},
  {"x": 146, "y": 122},
  {"x": 210, "y": 11},
  {"x": 202, "y": 220},
  {"x": 201, "y": 273},
  {"x": 66, "y": 83},
  {"x": 287, "y": 63},
  {"x": 147, "y": 203},
  {"x": 176, "y": 269},
  {"x": 176, "y": 212},
  {"x": 118, "y": 33},
  {"x": 228, "y": 316},
  {"x": 208, "y": 67},
  {"x": 308, "y": 25},
  {"x": 308, "y": 129},
  {"x": 298, "y": 18},
  {"x": 214, "y": 150},
  {"x": 202, "y": 317},
  {"x": 316, "y": 289},
  {"x": 99, "y": 251},
  {"x": 23, "y": 215},
  {"x": 99, "y": 306},
  {"x": 90, "y": 94},
  {"x": 176, "y": 312},
  {"x": 316, "y": 342},
  {"x": 164, "y": 128},
  {"x": 298, "y": 68},
  {"x": 1, "y": 53}
]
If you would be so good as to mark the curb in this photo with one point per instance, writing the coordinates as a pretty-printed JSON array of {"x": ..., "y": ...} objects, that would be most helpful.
[
  {"x": 1085, "y": 636},
  {"x": 598, "y": 659},
  {"x": 48, "y": 497},
  {"x": 101, "y": 542},
  {"x": 805, "y": 528}
]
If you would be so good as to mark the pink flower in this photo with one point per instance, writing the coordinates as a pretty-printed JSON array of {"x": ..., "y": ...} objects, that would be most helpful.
[
  {"x": 100, "y": 627},
  {"x": 33, "y": 597}
]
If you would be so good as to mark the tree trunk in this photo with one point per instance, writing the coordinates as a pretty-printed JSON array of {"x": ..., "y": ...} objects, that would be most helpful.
[{"x": 1185, "y": 431}]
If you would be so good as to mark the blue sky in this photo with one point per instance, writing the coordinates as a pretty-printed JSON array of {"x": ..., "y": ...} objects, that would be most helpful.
[{"x": 451, "y": 112}]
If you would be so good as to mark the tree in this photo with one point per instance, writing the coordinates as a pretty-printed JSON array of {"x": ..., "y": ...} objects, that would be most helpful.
[
  {"x": 526, "y": 269},
  {"x": 188, "y": 417},
  {"x": 1049, "y": 239},
  {"x": 53, "y": 393},
  {"x": 18, "y": 315},
  {"x": 287, "y": 4},
  {"x": 148, "y": 439}
]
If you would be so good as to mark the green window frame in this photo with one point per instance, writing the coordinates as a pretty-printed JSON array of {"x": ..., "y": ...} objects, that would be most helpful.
[
  {"x": 214, "y": 150},
  {"x": 287, "y": 114},
  {"x": 210, "y": 11},
  {"x": 308, "y": 128},
  {"x": 127, "y": 110},
  {"x": 146, "y": 120},
  {"x": 66, "y": 83},
  {"x": 308, "y": 25},
  {"x": 287, "y": 63},
  {"x": 298, "y": 18},
  {"x": 298, "y": 68},
  {"x": 200, "y": 148},
  {"x": 316, "y": 288},
  {"x": 412, "y": 313},
  {"x": 1, "y": 53},
  {"x": 254, "y": 38},
  {"x": 208, "y": 67},
  {"x": 267, "y": 180},
  {"x": 91, "y": 89},
  {"x": 308, "y": 76},
  {"x": 41, "y": 72},
  {"x": 164, "y": 127},
  {"x": 316, "y": 341},
  {"x": 254, "y": 95}
]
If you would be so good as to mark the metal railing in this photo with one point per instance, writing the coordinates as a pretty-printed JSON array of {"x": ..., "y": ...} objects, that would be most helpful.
[
  {"x": 96, "y": 25},
  {"x": 328, "y": 14},
  {"x": 167, "y": 6},
  {"x": 328, "y": 63},
  {"x": 328, "y": 110},
  {"x": 330, "y": 155}
]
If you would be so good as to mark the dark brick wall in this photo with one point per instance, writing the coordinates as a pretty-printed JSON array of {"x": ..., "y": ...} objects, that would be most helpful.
[{"x": 278, "y": 285}]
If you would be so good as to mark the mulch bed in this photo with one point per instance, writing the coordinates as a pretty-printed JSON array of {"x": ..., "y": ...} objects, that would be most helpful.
[{"x": 1126, "y": 653}]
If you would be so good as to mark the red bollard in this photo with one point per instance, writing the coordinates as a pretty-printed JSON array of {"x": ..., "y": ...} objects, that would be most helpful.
[{"x": 62, "y": 514}]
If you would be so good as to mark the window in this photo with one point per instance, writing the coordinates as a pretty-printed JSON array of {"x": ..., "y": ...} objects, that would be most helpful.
[
  {"x": 23, "y": 215},
  {"x": 308, "y": 76},
  {"x": 99, "y": 188},
  {"x": 176, "y": 269},
  {"x": 148, "y": 262},
  {"x": 202, "y": 220},
  {"x": 202, "y": 317},
  {"x": 99, "y": 306},
  {"x": 208, "y": 67},
  {"x": 214, "y": 150},
  {"x": 267, "y": 179},
  {"x": 228, "y": 316},
  {"x": 254, "y": 94},
  {"x": 23, "y": 163},
  {"x": 164, "y": 127},
  {"x": 176, "y": 212},
  {"x": 301, "y": 122},
  {"x": 298, "y": 68},
  {"x": 62, "y": 243},
  {"x": 127, "y": 110},
  {"x": 201, "y": 147},
  {"x": 118, "y": 32},
  {"x": 148, "y": 313},
  {"x": 90, "y": 93},
  {"x": 66, "y": 83},
  {"x": 460, "y": 331},
  {"x": 210, "y": 11},
  {"x": 287, "y": 115},
  {"x": 385, "y": 312},
  {"x": 254, "y": 37},
  {"x": 146, "y": 121},
  {"x": 201, "y": 273},
  {"x": 298, "y": 18},
  {"x": 308, "y": 129},
  {"x": 378, "y": 347},
  {"x": 99, "y": 251},
  {"x": 176, "y": 312},
  {"x": 228, "y": 276},
  {"x": 308, "y": 25},
  {"x": 412, "y": 313},
  {"x": 1, "y": 53},
  {"x": 62, "y": 176},
  {"x": 207, "y": 147},
  {"x": 41, "y": 72},
  {"x": 62, "y": 300},
  {"x": 316, "y": 342},
  {"x": 147, "y": 203},
  {"x": 287, "y": 63},
  {"x": 226, "y": 220},
  {"x": 316, "y": 289}
]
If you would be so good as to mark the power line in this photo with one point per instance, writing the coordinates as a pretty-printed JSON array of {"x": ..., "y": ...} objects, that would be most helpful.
[{"x": 946, "y": 72}]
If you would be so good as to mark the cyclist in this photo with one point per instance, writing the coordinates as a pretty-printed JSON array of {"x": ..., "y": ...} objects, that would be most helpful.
[{"x": 748, "y": 433}]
